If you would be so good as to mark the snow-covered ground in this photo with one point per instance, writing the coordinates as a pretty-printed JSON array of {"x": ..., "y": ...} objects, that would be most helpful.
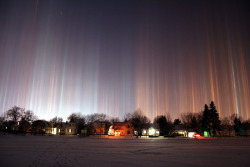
[{"x": 94, "y": 151}]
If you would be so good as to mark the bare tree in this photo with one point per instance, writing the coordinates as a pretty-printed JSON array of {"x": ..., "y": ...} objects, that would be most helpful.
[
  {"x": 28, "y": 116},
  {"x": 116, "y": 119},
  {"x": 73, "y": 118},
  {"x": 15, "y": 113},
  {"x": 186, "y": 119},
  {"x": 139, "y": 121},
  {"x": 56, "y": 120}
]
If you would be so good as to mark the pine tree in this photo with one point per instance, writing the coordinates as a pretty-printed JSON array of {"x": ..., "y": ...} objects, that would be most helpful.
[
  {"x": 206, "y": 119},
  {"x": 215, "y": 121},
  {"x": 237, "y": 125}
]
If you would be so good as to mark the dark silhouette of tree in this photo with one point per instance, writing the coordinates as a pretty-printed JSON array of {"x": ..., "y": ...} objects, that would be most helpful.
[
  {"x": 211, "y": 119},
  {"x": 28, "y": 116},
  {"x": 237, "y": 125},
  {"x": 56, "y": 121},
  {"x": 199, "y": 117},
  {"x": 215, "y": 121},
  {"x": 244, "y": 127},
  {"x": 15, "y": 113},
  {"x": 186, "y": 119},
  {"x": 2, "y": 122},
  {"x": 95, "y": 118},
  {"x": 206, "y": 119},
  {"x": 79, "y": 120},
  {"x": 81, "y": 124},
  {"x": 73, "y": 118},
  {"x": 139, "y": 121},
  {"x": 177, "y": 121},
  {"x": 192, "y": 121},
  {"x": 194, "y": 124},
  {"x": 116, "y": 119},
  {"x": 227, "y": 126},
  {"x": 164, "y": 123}
]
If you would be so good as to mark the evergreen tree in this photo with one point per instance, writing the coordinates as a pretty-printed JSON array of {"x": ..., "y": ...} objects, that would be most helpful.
[
  {"x": 210, "y": 120},
  {"x": 194, "y": 124},
  {"x": 206, "y": 119},
  {"x": 237, "y": 125},
  {"x": 164, "y": 123},
  {"x": 214, "y": 116}
]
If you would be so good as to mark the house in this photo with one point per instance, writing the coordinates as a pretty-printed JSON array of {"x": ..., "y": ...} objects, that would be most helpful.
[
  {"x": 99, "y": 128},
  {"x": 41, "y": 127},
  {"x": 227, "y": 131},
  {"x": 152, "y": 131},
  {"x": 121, "y": 129},
  {"x": 70, "y": 129},
  {"x": 21, "y": 126},
  {"x": 64, "y": 128},
  {"x": 179, "y": 130}
]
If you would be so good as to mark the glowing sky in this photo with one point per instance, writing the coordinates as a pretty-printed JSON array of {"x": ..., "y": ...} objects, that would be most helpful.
[{"x": 112, "y": 57}]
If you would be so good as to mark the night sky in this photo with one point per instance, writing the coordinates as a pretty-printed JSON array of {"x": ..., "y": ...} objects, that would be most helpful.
[{"x": 63, "y": 56}]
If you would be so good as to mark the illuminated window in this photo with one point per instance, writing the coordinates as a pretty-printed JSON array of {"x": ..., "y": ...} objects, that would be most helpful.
[
  {"x": 59, "y": 130},
  {"x": 69, "y": 130}
]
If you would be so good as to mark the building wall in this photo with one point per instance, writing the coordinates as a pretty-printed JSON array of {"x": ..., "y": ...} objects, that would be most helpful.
[{"x": 124, "y": 130}]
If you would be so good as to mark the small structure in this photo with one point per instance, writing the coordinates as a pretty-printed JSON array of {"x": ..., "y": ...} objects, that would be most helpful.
[
  {"x": 41, "y": 127},
  {"x": 181, "y": 133},
  {"x": 121, "y": 129},
  {"x": 179, "y": 130},
  {"x": 21, "y": 126},
  {"x": 152, "y": 131},
  {"x": 70, "y": 129},
  {"x": 98, "y": 128},
  {"x": 65, "y": 128}
]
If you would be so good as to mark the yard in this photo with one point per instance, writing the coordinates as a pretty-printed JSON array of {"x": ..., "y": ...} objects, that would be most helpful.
[{"x": 115, "y": 151}]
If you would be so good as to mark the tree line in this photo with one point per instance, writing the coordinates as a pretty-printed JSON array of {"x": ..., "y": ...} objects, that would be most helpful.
[{"x": 207, "y": 120}]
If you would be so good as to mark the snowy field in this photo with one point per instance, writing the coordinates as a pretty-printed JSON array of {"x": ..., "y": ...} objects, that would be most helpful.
[{"x": 52, "y": 151}]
